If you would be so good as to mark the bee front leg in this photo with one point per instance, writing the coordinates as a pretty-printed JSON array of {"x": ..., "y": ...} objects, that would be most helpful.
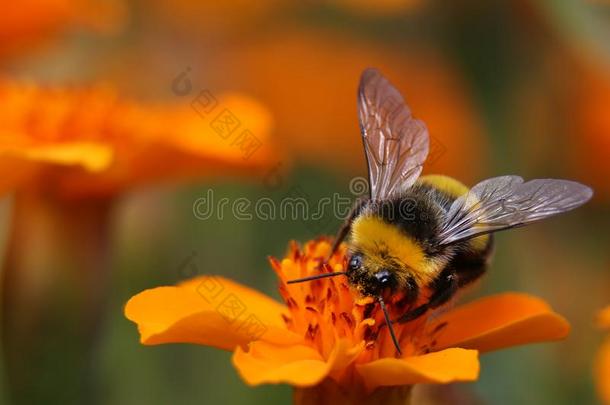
[
  {"x": 347, "y": 224},
  {"x": 444, "y": 287}
]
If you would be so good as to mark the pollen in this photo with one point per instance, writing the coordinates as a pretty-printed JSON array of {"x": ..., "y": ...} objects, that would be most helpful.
[
  {"x": 327, "y": 310},
  {"x": 325, "y": 338},
  {"x": 369, "y": 233}
]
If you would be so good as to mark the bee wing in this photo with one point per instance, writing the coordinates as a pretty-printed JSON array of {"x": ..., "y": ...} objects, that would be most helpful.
[
  {"x": 395, "y": 143},
  {"x": 506, "y": 202}
]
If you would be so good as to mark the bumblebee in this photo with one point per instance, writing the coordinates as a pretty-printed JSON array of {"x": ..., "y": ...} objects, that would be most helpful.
[{"x": 416, "y": 241}]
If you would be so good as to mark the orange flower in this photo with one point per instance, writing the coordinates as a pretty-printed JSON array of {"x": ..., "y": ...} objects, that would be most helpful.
[
  {"x": 325, "y": 339},
  {"x": 88, "y": 141},
  {"x": 588, "y": 101},
  {"x": 28, "y": 22},
  {"x": 67, "y": 153},
  {"x": 318, "y": 70},
  {"x": 564, "y": 108},
  {"x": 602, "y": 368}
]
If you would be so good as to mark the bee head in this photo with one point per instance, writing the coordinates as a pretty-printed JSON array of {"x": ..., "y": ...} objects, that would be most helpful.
[{"x": 372, "y": 277}]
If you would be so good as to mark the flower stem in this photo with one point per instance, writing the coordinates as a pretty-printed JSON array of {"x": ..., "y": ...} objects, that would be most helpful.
[
  {"x": 53, "y": 292},
  {"x": 329, "y": 392}
]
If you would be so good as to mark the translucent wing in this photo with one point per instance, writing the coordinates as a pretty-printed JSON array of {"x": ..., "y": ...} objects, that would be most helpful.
[
  {"x": 395, "y": 143},
  {"x": 506, "y": 202}
]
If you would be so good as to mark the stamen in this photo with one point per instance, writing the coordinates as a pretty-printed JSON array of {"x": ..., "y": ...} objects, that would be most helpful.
[
  {"x": 348, "y": 320},
  {"x": 312, "y": 331},
  {"x": 292, "y": 303}
]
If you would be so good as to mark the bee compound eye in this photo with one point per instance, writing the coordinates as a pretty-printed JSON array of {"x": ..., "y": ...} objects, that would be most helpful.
[
  {"x": 383, "y": 276},
  {"x": 355, "y": 262}
]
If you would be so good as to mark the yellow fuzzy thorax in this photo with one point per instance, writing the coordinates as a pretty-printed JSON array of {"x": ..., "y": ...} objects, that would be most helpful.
[
  {"x": 376, "y": 238},
  {"x": 445, "y": 183},
  {"x": 456, "y": 189},
  {"x": 372, "y": 236}
]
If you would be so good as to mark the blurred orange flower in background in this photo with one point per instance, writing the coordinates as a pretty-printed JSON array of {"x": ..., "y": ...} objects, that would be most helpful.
[
  {"x": 308, "y": 79},
  {"x": 90, "y": 141},
  {"x": 326, "y": 340},
  {"x": 589, "y": 99},
  {"x": 306, "y": 74},
  {"x": 560, "y": 115},
  {"x": 66, "y": 153},
  {"x": 24, "y": 24},
  {"x": 602, "y": 366}
]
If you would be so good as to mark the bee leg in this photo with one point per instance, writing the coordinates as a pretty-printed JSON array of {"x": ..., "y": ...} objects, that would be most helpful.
[
  {"x": 471, "y": 265},
  {"x": 412, "y": 314},
  {"x": 471, "y": 274},
  {"x": 444, "y": 287},
  {"x": 347, "y": 224}
]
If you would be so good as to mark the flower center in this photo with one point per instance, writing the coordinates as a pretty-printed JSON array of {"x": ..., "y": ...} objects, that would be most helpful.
[{"x": 329, "y": 309}]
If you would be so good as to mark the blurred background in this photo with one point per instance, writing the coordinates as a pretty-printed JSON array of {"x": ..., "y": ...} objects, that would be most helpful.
[{"x": 518, "y": 87}]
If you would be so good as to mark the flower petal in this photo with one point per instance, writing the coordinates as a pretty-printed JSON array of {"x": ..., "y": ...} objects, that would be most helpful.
[
  {"x": 299, "y": 365},
  {"x": 94, "y": 157},
  {"x": 602, "y": 371},
  {"x": 442, "y": 367},
  {"x": 266, "y": 363},
  {"x": 500, "y": 321},
  {"x": 90, "y": 141},
  {"x": 208, "y": 310}
]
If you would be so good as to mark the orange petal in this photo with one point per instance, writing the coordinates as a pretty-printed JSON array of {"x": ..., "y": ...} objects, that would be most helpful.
[
  {"x": 342, "y": 356},
  {"x": 297, "y": 365},
  {"x": 94, "y": 157},
  {"x": 210, "y": 311},
  {"x": 602, "y": 372},
  {"x": 266, "y": 363},
  {"x": 119, "y": 143},
  {"x": 603, "y": 319},
  {"x": 500, "y": 321},
  {"x": 442, "y": 367}
]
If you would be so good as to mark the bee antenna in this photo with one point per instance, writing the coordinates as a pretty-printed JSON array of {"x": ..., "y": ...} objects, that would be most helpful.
[
  {"x": 316, "y": 277},
  {"x": 389, "y": 323}
]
